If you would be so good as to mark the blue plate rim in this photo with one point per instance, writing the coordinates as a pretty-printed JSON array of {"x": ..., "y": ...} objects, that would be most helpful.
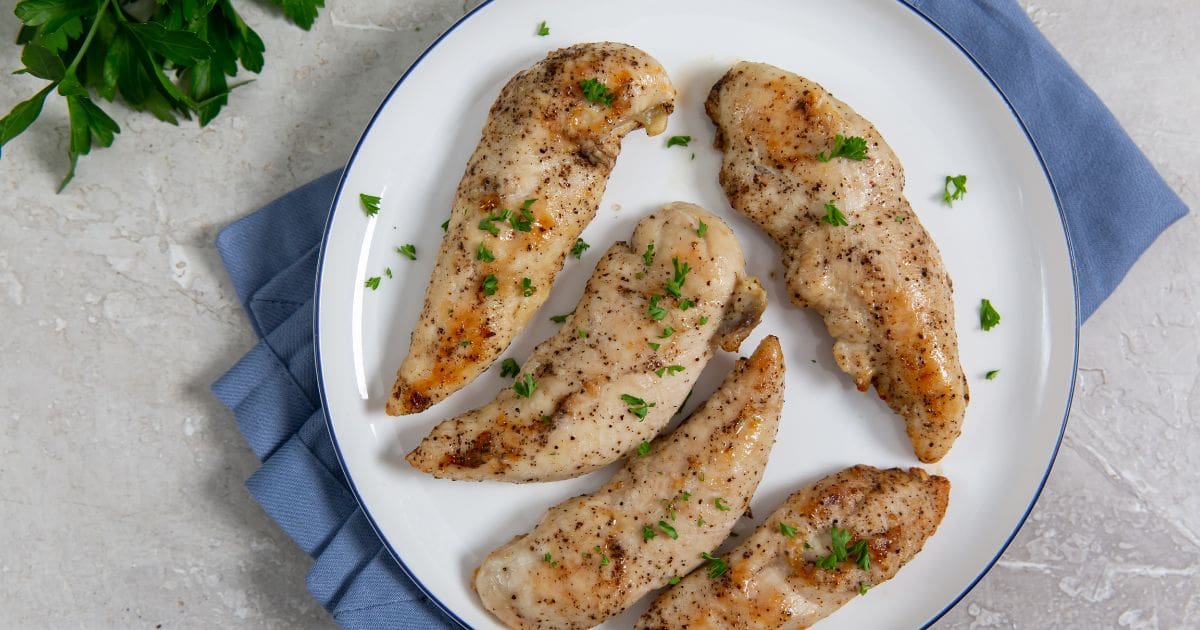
[{"x": 325, "y": 242}]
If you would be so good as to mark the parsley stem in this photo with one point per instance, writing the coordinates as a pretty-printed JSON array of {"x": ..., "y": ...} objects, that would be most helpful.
[{"x": 87, "y": 41}]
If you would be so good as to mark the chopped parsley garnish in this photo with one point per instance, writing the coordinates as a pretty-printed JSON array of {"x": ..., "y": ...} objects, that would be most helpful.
[
  {"x": 542, "y": 29},
  {"x": 643, "y": 448},
  {"x": 490, "y": 284},
  {"x": 654, "y": 346},
  {"x": 787, "y": 530},
  {"x": 861, "y": 556},
  {"x": 488, "y": 224},
  {"x": 703, "y": 319},
  {"x": 674, "y": 580},
  {"x": 581, "y": 333},
  {"x": 685, "y": 304},
  {"x": 370, "y": 204},
  {"x": 899, "y": 218},
  {"x": 446, "y": 225},
  {"x": 988, "y": 317},
  {"x": 991, "y": 375},
  {"x": 603, "y": 560},
  {"x": 483, "y": 254},
  {"x": 863, "y": 587},
  {"x": 647, "y": 533},
  {"x": 670, "y": 370},
  {"x": 667, "y": 332},
  {"x": 372, "y": 283},
  {"x": 702, "y": 229},
  {"x": 558, "y": 319},
  {"x": 549, "y": 559},
  {"x": 464, "y": 343},
  {"x": 578, "y": 248},
  {"x": 700, "y": 522},
  {"x": 852, "y": 148},
  {"x": 721, "y": 505},
  {"x": 596, "y": 92},
  {"x": 524, "y": 386},
  {"x": 675, "y": 285},
  {"x": 637, "y": 406},
  {"x": 668, "y": 530},
  {"x": 387, "y": 271},
  {"x": 838, "y": 539},
  {"x": 527, "y": 288},
  {"x": 648, "y": 255},
  {"x": 685, "y": 495},
  {"x": 833, "y": 216},
  {"x": 959, "y": 182},
  {"x": 407, "y": 250},
  {"x": 509, "y": 367},
  {"x": 716, "y": 566},
  {"x": 657, "y": 313},
  {"x": 524, "y": 223},
  {"x": 678, "y": 141}
]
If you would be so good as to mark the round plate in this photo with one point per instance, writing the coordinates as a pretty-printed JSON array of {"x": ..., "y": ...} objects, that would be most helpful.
[{"x": 1004, "y": 241}]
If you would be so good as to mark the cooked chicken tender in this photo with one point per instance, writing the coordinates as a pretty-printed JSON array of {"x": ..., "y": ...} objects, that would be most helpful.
[
  {"x": 531, "y": 187},
  {"x": 622, "y": 363},
  {"x": 852, "y": 247},
  {"x": 827, "y": 544},
  {"x": 593, "y": 556}
]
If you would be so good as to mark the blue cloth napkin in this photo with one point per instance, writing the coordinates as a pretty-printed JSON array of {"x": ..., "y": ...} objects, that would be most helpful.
[{"x": 1115, "y": 206}]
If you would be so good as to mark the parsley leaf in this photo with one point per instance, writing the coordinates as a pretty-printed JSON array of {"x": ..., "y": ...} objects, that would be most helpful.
[
  {"x": 852, "y": 148},
  {"x": 960, "y": 188},
  {"x": 370, "y": 204},
  {"x": 702, "y": 229},
  {"x": 648, "y": 255},
  {"x": 648, "y": 533},
  {"x": 483, "y": 254},
  {"x": 596, "y": 92},
  {"x": 787, "y": 530},
  {"x": 861, "y": 555},
  {"x": 409, "y": 251},
  {"x": 657, "y": 313},
  {"x": 464, "y": 343},
  {"x": 703, "y": 319},
  {"x": 558, "y": 319},
  {"x": 525, "y": 386},
  {"x": 372, "y": 283},
  {"x": 674, "y": 580},
  {"x": 527, "y": 288},
  {"x": 988, "y": 317},
  {"x": 654, "y": 346},
  {"x": 487, "y": 224},
  {"x": 686, "y": 303},
  {"x": 678, "y": 141},
  {"x": 637, "y": 406},
  {"x": 578, "y": 248},
  {"x": 716, "y": 566},
  {"x": 542, "y": 29},
  {"x": 675, "y": 285},
  {"x": 991, "y": 375},
  {"x": 524, "y": 223},
  {"x": 833, "y": 216},
  {"x": 490, "y": 285},
  {"x": 668, "y": 530},
  {"x": 670, "y": 370},
  {"x": 446, "y": 225},
  {"x": 863, "y": 587},
  {"x": 666, "y": 332},
  {"x": 581, "y": 333},
  {"x": 721, "y": 505},
  {"x": 387, "y": 271},
  {"x": 509, "y": 367},
  {"x": 838, "y": 539},
  {"x": 643, "y": 448},
  {"x": 549, "y": 559}
]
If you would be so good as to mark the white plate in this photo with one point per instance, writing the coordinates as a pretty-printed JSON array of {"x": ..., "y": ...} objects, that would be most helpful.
[{"x": 1005, "y": 241}]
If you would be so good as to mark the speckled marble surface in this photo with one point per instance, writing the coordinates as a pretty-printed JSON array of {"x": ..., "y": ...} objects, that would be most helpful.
[{"x": 121, "y": 498}]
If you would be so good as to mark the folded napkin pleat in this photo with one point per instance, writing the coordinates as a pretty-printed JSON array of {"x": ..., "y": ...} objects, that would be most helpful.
[{"x": 271, "y": 256}]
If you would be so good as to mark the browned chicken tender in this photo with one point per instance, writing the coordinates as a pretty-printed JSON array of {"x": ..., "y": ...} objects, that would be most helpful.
[
  {"x": 788, "y": 574},
  {"x": 531, "y": 187},
  {"x": 853, "y": 249},
  {"x": 593, "y": 556}
]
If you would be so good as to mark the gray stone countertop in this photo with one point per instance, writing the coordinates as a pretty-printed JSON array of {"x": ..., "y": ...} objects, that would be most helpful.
[{"x": 121, "y": 497}]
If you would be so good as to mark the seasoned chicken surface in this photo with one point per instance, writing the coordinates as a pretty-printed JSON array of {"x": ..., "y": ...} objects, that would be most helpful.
[
  {"x": 592, "y": 556},
  {"x": 788, "y": 573},
  {"x": 530, "y": 188},
  {"x": 621, "y": 364},
  {"x": 878, "y": 282}
]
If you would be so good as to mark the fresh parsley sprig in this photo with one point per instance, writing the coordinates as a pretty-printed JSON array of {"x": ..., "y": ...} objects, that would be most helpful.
[
  {"x": 959, "y": 182},
  {"x": 170, "y": 58},
  {"x": 852, "y": 148}
]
